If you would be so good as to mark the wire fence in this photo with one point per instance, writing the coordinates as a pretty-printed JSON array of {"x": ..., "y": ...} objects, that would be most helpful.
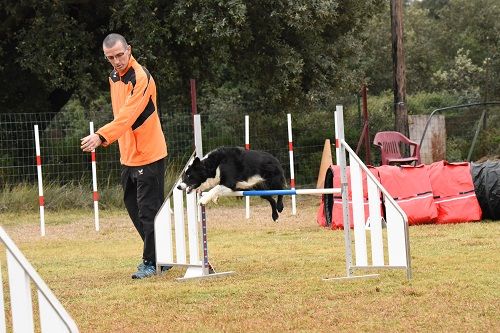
[
  {"x": 472, "y": 131},
  {"x": 63, "y": 161}
]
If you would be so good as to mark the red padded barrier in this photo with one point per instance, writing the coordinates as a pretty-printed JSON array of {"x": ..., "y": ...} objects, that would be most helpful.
[
  {"x": 411, "y": 188},
  {"x": 454, "y": 194}
]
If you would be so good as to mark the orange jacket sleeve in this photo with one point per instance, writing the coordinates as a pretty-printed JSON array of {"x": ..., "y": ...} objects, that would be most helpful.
[{"x": 127, "y": 113}]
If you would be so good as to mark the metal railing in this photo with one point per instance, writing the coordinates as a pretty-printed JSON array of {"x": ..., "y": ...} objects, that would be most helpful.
[{"x": 462, "y": 106}]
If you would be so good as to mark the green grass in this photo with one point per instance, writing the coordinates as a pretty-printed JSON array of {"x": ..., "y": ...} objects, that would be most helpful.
[
  {"x": 278, "y": 283},
  {"x": 58, "y": 197},
  {"x": 24, "y": 197}
]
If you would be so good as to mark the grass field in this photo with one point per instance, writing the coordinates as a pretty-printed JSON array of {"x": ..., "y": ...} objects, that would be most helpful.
[{"x": 278, "y": 284}]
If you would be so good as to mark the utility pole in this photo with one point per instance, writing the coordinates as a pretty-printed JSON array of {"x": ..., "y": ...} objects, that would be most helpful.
[{"x": 399, "y": 69}]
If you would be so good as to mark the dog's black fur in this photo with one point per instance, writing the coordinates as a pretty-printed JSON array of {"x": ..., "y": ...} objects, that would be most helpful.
[{"x": 235, "y": 169}]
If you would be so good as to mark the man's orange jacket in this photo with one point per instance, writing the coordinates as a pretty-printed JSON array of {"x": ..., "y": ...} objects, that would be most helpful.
[{"x": 136, "y": 123}]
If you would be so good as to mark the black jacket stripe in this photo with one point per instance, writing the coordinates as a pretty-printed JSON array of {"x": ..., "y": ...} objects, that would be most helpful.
[
  {"x": 130, "y": 77},
  {"x": 149, "y": 77},
  {"x": 148, "y": 111}
]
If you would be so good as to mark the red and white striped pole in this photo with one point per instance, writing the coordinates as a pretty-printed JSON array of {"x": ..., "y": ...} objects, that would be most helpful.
[
  {"x": 94, "y": 184},
  {"x": 292, "y": 171},
  {"x": 41, "y": 200},
  {"x": 247, "y": 147}
]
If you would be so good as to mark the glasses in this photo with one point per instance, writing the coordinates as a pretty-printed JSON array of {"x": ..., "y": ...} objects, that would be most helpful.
[{"x": 116, "y": 56}]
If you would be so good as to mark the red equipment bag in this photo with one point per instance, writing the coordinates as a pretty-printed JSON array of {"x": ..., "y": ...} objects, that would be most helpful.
[
  {"x": 320, "y": 214},
  {"x": 454, "y": 193},
  {"x": 411, "y": 188},
  {"x": 330, "y": 213}
]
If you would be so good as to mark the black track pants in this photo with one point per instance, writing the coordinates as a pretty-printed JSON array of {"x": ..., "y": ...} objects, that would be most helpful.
[{"x": 143, "y": 195}]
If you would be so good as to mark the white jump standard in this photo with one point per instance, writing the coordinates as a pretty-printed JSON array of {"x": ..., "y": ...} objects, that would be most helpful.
[
  {"x": 172, "y": 251},
  {"x": 395, "y": 247},
  {"x": 396, "y": 221}
]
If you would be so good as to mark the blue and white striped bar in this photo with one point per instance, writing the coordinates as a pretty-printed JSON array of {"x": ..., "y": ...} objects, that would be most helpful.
[{"x": 282, "y": 192}]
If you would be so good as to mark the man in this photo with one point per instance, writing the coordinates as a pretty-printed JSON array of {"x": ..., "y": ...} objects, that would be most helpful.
[{"x": 143, "y": 149}]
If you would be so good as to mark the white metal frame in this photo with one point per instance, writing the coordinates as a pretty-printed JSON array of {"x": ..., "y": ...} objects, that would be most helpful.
[
  {"x": 171, "y": 251},
  {"x": 53, "y": 316},
  {"x": 396, "y": 222},
  {"x": 397, "y": 248}
]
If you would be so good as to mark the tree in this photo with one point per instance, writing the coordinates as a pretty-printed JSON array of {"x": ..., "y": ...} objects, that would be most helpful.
[
  {"x": 279, "y": 54},
  {"x": 434, "y": 32},
  {"x": 48, "y": 52},
  {"x": 473, "y": 27}
]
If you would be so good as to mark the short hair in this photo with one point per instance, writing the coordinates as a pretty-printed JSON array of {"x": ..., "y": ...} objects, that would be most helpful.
[{"x": 112, "y": 39}]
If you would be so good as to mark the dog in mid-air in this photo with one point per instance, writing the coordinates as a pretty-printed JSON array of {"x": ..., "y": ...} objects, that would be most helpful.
[{"x": 228, "y": 169}]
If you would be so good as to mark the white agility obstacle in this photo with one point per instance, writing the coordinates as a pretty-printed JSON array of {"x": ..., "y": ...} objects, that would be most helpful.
[
  {"x": 170, "y": 227},
  {"x": 395, "y": 248},
  {"x": 171, "y": 250},
  {"x": 52, "y": 315}
]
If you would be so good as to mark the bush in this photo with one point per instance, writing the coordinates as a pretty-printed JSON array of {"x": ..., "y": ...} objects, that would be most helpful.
[{"x": 426, "y": 102}]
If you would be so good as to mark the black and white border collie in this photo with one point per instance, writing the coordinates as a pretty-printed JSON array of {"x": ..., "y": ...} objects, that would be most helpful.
[{"x": 228, "y": 169}]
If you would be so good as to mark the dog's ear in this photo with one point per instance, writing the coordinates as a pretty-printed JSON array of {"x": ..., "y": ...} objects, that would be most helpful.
[{"x": 196, "y": 161}]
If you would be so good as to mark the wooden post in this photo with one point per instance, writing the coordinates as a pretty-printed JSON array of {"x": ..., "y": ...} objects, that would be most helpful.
[
  {"x": 399, "y": 69},
  {"x": 366, "y": 126}
]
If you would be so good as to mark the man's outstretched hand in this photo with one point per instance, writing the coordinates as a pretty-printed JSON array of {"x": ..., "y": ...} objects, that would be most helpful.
[{"x": 90, "y": 142}]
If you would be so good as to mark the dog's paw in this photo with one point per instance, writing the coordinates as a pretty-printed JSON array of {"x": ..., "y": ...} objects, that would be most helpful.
[
  {"x": 279, "y": 207},
  {"x": 215, "y": 200},
  {"x": 204, "y": 200},
  {"x": 275, "y": 216}
]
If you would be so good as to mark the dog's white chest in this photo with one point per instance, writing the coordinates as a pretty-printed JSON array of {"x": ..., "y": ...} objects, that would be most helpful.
[
  {"x": 249, "y": 183},
  {"x": 211, "y": 182}
]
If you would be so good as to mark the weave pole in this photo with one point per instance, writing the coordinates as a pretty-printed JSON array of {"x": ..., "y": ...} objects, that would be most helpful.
[
  {"x": 290, "y": 152},
  {"x": 247, "y": 147},
  {"x": 94, "y": 183},
  {"x": 292, "y": 170},
  {"x": 41, "y": 199}
]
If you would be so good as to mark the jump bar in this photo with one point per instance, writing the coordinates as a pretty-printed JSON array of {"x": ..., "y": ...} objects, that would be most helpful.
[{"x": 282, "y": 192}]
